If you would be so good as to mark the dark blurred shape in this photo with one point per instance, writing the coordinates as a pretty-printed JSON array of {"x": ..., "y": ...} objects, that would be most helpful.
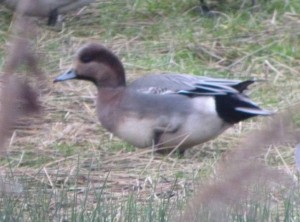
[
  {"x": 19, "y": 99},
  {"x": 208, "y": 9},
  {"x": 47, "y": 8}
]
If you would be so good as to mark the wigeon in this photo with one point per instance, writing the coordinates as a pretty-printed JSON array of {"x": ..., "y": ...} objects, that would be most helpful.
[
  {"x": 46, "y": 8},
  {"x": 163, "y": 111}
]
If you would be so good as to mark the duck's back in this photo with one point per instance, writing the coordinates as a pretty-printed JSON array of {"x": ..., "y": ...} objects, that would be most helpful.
[{"x": 166, "y": 81}]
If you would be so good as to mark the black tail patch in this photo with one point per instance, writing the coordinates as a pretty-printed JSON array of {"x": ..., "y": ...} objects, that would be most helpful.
[
  {"x": 242, "y": 86},
  {"x": 233, "y": 108}
]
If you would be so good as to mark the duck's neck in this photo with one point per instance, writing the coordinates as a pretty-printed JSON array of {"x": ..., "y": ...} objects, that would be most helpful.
[
  {"x": 114, "y": 78},
  {"x": 107, "y": 106},
  {"x": 109, "y": 95}
]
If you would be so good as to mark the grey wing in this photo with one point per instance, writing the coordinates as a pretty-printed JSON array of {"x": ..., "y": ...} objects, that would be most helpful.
[{"x": 174, "y": 82}]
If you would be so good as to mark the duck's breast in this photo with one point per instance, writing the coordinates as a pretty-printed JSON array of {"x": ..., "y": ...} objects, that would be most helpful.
[
  {"x": 136, "y": 131},
  {"x": 140, "y": 118}
]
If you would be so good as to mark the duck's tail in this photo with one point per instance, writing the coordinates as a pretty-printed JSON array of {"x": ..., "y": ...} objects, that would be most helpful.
[
  {"x": 234, "y": 108},
  {"x": 231, "y": 104}
]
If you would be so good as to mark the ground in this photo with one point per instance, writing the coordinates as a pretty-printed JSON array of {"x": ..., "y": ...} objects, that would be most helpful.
[{"x": 63, "y": 166}]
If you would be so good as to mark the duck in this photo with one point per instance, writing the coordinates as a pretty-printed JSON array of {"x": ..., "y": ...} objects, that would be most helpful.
[
  {"x": 47, "y": 8},
  {"x": 164, "y": 111},
  {"x": 206, "y": 10}
]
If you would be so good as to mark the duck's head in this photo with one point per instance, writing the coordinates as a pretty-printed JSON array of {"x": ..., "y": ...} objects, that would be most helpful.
[{"x": 97, "y": 64}]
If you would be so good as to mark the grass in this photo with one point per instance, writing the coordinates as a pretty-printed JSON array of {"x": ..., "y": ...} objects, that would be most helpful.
[{"x": 70, "y": 169}]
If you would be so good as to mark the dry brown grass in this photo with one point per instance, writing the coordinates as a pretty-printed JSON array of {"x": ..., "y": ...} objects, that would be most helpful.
[{"x": 67, "y": 148}]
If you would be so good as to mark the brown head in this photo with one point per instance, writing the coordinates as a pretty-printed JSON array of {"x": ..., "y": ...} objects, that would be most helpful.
[{"x": 97, "y": 64}]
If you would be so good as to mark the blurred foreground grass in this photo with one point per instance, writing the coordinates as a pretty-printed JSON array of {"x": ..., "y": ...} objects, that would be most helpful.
[{"x": 66, "y": 167}]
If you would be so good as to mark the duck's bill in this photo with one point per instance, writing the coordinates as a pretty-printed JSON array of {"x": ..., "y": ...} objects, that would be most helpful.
[{"x": 70, "y": 74}]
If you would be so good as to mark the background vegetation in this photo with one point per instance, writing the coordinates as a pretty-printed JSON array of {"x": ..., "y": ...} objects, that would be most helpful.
[{"x": 64, "y": 167}]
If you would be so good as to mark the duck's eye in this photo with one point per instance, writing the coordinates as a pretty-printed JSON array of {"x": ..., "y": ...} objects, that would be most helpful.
[{"x": 86, "y": 58}]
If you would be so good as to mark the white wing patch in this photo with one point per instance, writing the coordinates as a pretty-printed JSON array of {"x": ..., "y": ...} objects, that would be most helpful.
[
  {"x": 205, "y": 105},
  {"x": 155, "y": 90}
]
